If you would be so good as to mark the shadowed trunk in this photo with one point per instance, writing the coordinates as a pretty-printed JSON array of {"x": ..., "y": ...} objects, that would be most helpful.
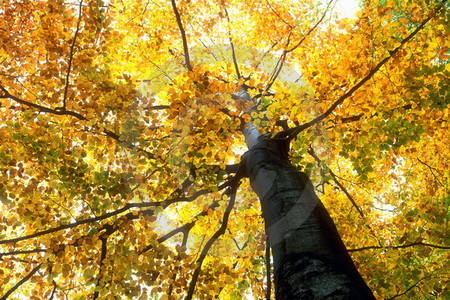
[{"x": 310, "y": 259}]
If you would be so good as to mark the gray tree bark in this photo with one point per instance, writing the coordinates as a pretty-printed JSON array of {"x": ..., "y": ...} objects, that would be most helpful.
[{"x": 310, "y": 260}]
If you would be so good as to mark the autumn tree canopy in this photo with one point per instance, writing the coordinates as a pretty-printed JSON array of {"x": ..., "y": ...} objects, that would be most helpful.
[{"x": 121, "y": 137}]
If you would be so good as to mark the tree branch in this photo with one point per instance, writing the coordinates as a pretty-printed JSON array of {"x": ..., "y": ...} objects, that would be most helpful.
[
  {"x": 408, "y": 289},
  {"x": 182, "y": 229},
  {"x": 279, "y": 66},
  {"x": 183, "y": 36},
  {"x": 399, "y": 247},
  {"x": 68, "y": 226},
  {"x": 232, "y": 193},
  {"x": 53, "y": 291},
  {"x": 293, "y": 132},
  {"x": 431, "y": 170},
  {"x": 104, "y": 249},
  {"x": 352, "y": 200},
  {"x": 278, "y": 15},
  {"x": 22, "y": 252},
  {"x": 22, "y": 281},
  {"x": 64, "y": 112},
  {"x": 71, "y": 53},
  {"x": 126, "y": 207},
  {"x": 311, "y": 29},
  {"x": 358, "y": 117},
  {"x": 268, "y": 271},
  {"x": 233, "y": 52}
]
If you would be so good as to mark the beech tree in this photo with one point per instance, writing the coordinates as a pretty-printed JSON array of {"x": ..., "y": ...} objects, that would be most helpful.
[{"x": 178, "y": 150}]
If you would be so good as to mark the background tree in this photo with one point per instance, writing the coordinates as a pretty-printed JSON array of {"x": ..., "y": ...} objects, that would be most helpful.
[{"x": 121, "y": 139}]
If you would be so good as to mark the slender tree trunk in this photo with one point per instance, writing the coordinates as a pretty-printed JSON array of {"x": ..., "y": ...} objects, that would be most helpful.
[{"x": 310, "y": 259}]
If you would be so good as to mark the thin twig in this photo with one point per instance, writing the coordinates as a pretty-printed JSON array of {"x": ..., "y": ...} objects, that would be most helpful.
[
  {"x": 408, "y": 289},
  {"x": 399, "y": 247},
  {"x": 432, "y": 172},
  {"x": 350, "y": 197}
]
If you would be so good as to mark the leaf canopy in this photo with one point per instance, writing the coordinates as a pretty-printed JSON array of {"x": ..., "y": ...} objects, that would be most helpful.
[{"x": 118, "y": 131}]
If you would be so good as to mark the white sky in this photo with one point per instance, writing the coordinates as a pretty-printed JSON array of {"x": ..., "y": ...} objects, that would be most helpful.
[{"x": 346, "y": 8}]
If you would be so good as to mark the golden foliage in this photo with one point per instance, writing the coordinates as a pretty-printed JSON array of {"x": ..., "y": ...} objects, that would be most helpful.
[{"x": 113, "y": 156}]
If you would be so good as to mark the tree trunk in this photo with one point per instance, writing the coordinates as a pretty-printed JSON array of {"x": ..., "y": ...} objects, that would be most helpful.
[{"x": 310, "y": 260}]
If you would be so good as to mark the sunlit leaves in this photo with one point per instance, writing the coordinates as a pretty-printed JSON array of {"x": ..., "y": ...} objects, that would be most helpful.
[{"x": 137, "y": 128}]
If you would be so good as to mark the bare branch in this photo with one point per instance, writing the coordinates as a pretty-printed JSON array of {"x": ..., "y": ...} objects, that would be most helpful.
[
  {"x": 183, "y": 36},
  {"x": 399, "y": 247},
  {"x": 293, "y": 132},
  {"x": 408, "y": 289},
  {"x": 233, "y": 52},
  {"x": 432, "y": 172},
  {"x": 352, "y": 200},
  {"x": 268, "y": 270},
  {"x": 104, "y": 250},
  {"x": 232, "y": 194},
  {"x": 22, "y": 252},
  {"x": 64, "y": 112},
  {"x": 71, "y": 54},
  {"x": 22, "y": 281}
]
